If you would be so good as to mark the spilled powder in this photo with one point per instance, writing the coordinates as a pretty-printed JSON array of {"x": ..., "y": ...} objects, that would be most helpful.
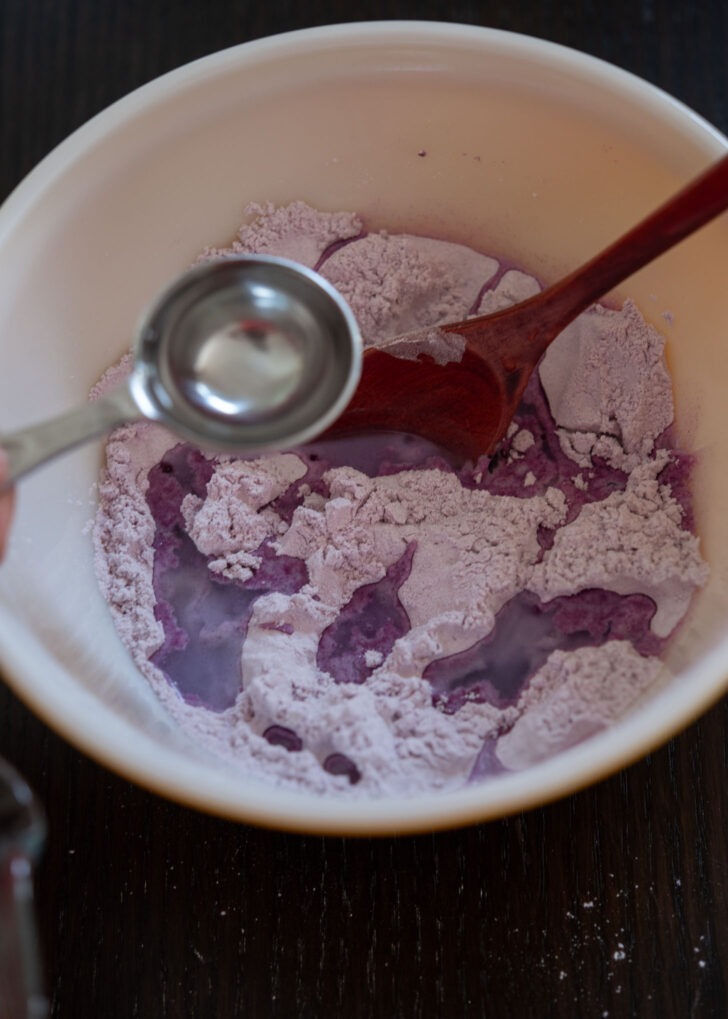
[{"x": 364, "y": 617}]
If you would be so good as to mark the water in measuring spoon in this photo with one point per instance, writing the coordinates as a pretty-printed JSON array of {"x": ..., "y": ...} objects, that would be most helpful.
[
  {"x": 246, "y": 369},
  {"x": 243, "y": 367}
]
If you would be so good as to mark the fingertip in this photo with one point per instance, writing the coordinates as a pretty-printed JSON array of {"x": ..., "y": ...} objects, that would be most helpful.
[{"x": 7, "y": 506}]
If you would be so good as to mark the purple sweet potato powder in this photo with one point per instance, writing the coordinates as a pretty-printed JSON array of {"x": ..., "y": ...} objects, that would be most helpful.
[{"x": 366, "y": 616}]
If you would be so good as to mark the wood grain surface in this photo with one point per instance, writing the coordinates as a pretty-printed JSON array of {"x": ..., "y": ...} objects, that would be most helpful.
[{"x": 611, "y": 903}]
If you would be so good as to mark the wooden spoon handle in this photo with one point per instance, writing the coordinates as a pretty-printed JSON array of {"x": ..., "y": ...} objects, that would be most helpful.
[{"x": 692, "y": 207}]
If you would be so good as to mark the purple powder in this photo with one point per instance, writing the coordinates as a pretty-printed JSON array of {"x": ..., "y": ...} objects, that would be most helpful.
[
  {"x": 340, "y": 764},
  {"x": 371, "y": 621},
  {"x": 280, "y": 736},
  {"x": 368, "y": 616}
]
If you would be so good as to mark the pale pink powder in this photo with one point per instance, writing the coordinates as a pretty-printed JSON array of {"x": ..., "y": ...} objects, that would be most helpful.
[
  {"x": 296, "y": 231},
  {"x": 608, "y": 387},
  {"x": 631, "y": 542},
  {"x": 397, "y": 284},
  {"x": 474, "y": 551}
]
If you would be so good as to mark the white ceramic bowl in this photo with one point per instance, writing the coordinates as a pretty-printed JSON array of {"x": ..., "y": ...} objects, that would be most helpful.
[{"x": 533, "y": 151}]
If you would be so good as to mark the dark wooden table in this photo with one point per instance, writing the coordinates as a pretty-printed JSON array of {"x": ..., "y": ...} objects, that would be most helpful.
[{"x": 611, "y": 903}]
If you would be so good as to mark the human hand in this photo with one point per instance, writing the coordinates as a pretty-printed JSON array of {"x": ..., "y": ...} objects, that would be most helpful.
[{"x": 7, "y": 505}]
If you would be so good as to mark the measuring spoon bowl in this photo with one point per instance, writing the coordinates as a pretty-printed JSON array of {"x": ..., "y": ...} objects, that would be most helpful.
[{"x": 246, "y": 354}]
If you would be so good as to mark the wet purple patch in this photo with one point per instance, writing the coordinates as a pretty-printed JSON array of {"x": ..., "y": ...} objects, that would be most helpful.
[
  {"x": 372, "y": 620},
  {"x": 204, "y": 616},
  {"x": 340, "y": 764},
  {"x": 497, "y": 668},
  {"x": 282, "y": 736},
  {"x": 487, "y": 763}
]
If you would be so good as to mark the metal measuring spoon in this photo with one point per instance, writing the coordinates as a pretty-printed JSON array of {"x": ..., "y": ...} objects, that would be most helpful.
[{"x": 242, "y": 355}]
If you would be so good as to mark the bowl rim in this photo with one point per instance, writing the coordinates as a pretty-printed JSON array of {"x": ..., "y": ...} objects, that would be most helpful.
[{"x": 162, "y": 770}]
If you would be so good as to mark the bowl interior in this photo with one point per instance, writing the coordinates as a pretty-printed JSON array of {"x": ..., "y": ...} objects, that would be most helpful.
[{"x": 517, "y": 147}]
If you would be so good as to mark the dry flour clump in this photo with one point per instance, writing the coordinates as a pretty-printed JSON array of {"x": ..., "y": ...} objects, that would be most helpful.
[
  {"x": 474, "y": 551},
  {"x": 608, "y": 387},
  {"x": 630, "y": 542},
  {"x": 297, "y": 232},
  {"x": 396, "y": 284},
  {"x": 363, "y": 617},
  {"x": 572, "y": 697}
]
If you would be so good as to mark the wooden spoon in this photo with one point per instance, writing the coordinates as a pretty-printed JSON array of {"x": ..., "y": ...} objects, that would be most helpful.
[{"x": 466, "y": 404}]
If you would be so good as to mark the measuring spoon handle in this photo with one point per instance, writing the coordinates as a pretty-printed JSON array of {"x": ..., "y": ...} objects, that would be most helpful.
[{"x": 30, "y": 447}]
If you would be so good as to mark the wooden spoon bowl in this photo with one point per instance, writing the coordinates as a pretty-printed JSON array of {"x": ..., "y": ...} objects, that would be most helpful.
[{"x": 465, "y": 401}]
